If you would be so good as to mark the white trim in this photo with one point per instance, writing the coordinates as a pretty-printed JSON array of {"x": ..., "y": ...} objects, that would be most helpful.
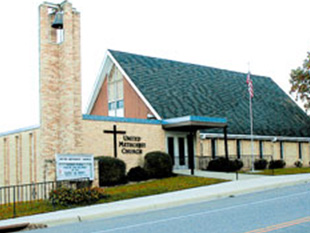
[
  {"x": 255, "y": 137},
  {"x": 100, "y": 80},
  {"x": 98, "y": 83}
]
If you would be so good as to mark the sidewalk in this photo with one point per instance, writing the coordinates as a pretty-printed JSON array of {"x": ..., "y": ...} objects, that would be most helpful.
[
  {"x": 161, "y": 201},
  {"x": 219, "y": 175}
]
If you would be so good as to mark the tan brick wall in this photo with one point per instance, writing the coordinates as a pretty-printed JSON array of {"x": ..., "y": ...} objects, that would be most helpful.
[
  {"x": 98, "y": 143},
  {"x": 290, "y": 150},
  {"x": 267, "y": 148},
  {"x": 15, "y": 153},
  {"x": 60, "y": 88},
  {"x": 306, "y": 154},
  {"x": 2, "y": 164}
]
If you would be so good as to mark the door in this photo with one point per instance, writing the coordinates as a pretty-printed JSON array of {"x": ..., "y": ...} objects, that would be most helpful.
[{"x": 177, "y": 148}]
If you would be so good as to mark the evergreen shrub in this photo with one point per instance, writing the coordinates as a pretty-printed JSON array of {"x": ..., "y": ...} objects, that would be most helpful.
[
  {"x": 158, "y": 164},
  {"x": 274, "y": 164},
  {"x": 112, "y": 171},
  {"x": 137, "y": 174},
  {"x": 67, "y": 196},
  {"x": 298, "y": 163},
  {"x": 260, "y": 164},
  {"x": 222, "y": 164}
]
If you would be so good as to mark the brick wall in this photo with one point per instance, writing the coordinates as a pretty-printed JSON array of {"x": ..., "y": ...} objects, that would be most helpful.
[
  {"x": 60, "y": 86},
  {"x": 19, "y": 158}
]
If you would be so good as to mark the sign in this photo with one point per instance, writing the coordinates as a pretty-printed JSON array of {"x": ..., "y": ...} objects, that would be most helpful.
[
  {"x": 74, "y": 166},
  {"x": 132, "y": 145}
]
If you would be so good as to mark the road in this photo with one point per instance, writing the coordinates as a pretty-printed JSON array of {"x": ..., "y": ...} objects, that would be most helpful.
[{"x": 279, "y": 210}]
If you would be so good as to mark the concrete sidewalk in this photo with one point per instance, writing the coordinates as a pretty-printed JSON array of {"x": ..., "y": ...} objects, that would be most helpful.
[
  {"x": 219, "y": 175},
  {"x": 162, "y": 200}
]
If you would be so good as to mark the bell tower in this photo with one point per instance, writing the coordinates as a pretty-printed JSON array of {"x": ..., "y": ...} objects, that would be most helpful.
[{"x": 60, "y": 80}]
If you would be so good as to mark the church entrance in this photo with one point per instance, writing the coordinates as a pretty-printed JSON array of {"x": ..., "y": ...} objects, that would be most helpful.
[{"x": 179, "y": 146}]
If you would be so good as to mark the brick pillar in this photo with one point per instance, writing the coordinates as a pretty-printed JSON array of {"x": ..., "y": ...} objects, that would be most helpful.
[{"x": 60, "y": 85}]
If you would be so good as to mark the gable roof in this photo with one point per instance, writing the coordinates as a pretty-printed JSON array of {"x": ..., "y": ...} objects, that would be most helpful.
[{"x": 176, "y": 89}]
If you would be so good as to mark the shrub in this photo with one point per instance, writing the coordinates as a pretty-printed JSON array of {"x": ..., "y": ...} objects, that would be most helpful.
[
  {"x": 68, "y": 196},
  {"x": 224, "y": 165},
  {"x": 137, "y": 174},
  {"x": 238, "y": 163},
  {"x": 260, "y": 164},
  {"x": 298, "y": 163},
  {"x": 112, "y": 171},
  {"x": 274, "y": 164},
  {"x": 158, "y": 164}
]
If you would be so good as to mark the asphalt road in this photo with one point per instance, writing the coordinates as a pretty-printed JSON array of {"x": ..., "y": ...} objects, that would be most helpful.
[{"x": 279, "y": 210}]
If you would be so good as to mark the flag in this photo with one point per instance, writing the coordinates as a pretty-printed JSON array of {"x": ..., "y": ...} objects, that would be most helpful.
[{"x": 250, "y": 85}]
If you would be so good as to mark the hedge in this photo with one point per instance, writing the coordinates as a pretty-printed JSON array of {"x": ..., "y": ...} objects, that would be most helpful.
[
  {"x": 158, "y": 164},
  {"x": 112, "y": 171},
  {"x": 222, "y": 164}
]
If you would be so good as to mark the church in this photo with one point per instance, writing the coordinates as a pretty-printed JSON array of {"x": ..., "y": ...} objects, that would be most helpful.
[{"x": 141, "y": 104}]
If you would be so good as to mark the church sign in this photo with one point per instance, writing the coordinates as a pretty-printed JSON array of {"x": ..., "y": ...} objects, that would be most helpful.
[
  {"x": 132, "y": 145},
  {"x": 69, "y": 167}
]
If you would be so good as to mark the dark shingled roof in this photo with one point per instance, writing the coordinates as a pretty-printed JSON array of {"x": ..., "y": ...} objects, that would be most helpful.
[{"x": 176, "y": 89}]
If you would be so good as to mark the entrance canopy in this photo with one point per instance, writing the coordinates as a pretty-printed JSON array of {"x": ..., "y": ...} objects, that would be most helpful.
[{"x": 193, "y": 123}]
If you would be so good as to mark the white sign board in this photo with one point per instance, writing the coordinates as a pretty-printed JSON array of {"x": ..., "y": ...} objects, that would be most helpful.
[{"x": 74, "y": 166}]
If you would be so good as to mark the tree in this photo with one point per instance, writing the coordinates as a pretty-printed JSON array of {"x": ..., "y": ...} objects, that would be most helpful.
[{"x": 300, "y": 81}]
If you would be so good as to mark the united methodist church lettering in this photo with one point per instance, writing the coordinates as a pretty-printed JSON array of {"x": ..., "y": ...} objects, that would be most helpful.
[{"x": 132, "y": 145}]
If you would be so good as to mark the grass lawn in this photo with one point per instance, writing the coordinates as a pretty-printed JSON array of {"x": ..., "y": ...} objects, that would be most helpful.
[
  {"x": 116, "y": 194},
  {"x": 284, "y": 171}
]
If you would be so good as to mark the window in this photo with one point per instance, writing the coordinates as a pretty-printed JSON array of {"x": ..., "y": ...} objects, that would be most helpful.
[
  {"x": 238, "y": 148},
  {"x": 261, "y": 150},
  {"x": 116, "y": 93},
  {"x": 213, "y": 148},
  {"x": 300, "y": 150},
  {"x": 281, "y": 151}
]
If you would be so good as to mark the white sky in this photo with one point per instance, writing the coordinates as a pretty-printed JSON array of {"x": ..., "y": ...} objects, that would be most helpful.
[{"x": 274, "y": 36}]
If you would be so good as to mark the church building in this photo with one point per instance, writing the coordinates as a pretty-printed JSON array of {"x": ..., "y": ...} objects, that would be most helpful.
[{"x": 141, "y": 104}]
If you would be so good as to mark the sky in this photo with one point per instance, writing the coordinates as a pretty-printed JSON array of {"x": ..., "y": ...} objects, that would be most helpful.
[{"x": 272, "y": 36}]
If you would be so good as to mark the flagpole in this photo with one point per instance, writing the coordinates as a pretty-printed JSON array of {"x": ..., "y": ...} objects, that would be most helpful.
[
  {"x": 252, "y": 141},
  {"x": 250, "y": 88}
]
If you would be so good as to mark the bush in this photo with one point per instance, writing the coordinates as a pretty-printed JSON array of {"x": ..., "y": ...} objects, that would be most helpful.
[
  {"x": 137, "y": 174},
  {"x": 158, "y": 164},
  {"x": 112, "y": 171},
  {"x": 223, "y": 165},
  {"x": 260, "y": 164},
  {"x": 274, "y": 164},
  {"x": 68, "y": 196},
  {"x": 298, "y": 163},
  {"x": 238, "y": 164}
]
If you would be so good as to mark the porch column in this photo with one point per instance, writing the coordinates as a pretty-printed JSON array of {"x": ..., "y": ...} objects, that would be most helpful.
[
  {"x": 226, "y": 144},
  {"x": 191, "y": 156}
]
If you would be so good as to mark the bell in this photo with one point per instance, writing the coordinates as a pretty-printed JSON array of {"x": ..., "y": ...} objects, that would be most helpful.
[{"x": 58, "y": 22}]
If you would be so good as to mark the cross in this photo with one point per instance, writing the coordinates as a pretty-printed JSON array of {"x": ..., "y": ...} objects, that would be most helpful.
[{"x": 114, "y": 132}]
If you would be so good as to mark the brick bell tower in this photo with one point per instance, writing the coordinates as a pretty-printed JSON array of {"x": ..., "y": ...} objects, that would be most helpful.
[{"x": 60, "y": 81}]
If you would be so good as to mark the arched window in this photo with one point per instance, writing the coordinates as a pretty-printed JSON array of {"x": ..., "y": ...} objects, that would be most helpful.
[{"x": 115, "y": 93}]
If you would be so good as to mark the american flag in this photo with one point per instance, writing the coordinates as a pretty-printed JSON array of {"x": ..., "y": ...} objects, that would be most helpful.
[{"x": 250, "y": 85}]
